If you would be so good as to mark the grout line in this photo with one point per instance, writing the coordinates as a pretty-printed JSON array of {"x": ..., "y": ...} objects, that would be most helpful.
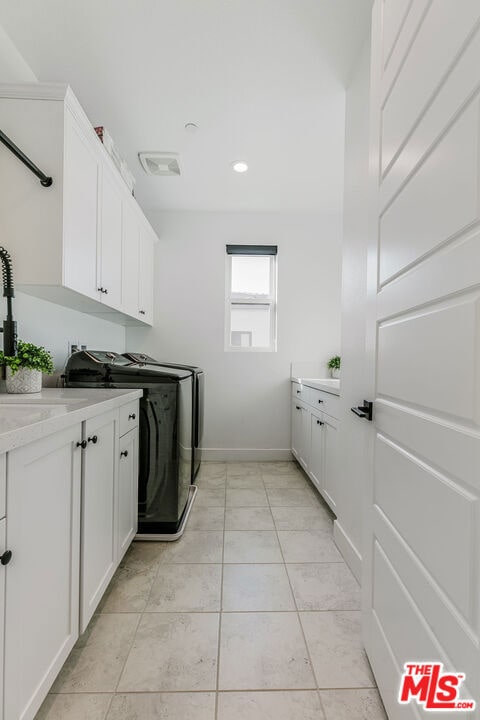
[{"x": 220, "y": 615}]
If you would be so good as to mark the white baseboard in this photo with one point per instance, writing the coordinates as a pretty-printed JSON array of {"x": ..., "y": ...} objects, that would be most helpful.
[
  {"x": 245, "y": 454},
  {"x": 350, "y": 553}
]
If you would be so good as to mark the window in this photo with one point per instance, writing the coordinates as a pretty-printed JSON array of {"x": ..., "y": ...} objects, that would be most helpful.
[{"x": 251, "y": 298}]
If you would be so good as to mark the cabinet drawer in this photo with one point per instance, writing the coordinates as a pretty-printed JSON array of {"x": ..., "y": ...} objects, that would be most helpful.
[
  {"x": 129, "y": 417},
  {"x": 3, "y": 484},
  {"x": 299, "y": 392},
  {"x": 326, "y": 402}
]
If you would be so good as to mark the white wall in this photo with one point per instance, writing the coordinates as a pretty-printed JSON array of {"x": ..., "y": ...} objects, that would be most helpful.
[
  {"x": 41, "y": 322},
  {"x": 354, "y": 383},
  {"x": 247, "y": 394}
]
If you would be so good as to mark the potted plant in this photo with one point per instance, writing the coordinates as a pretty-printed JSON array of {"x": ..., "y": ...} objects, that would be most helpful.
[
  {"x": 24, "y": 370},
  {"x": 334, "y": 365}
]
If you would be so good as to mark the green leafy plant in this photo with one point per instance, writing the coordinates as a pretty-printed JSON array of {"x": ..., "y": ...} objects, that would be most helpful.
[
  {"x": 334, "y": 363},
  {"x": 28, "y": 356}
]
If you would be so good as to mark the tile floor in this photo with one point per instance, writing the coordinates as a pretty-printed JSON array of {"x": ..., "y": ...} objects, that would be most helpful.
[{"x": 252, "y": 614}]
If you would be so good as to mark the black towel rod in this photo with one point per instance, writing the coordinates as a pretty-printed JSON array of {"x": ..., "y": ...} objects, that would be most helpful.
[{"x": 44, "y": 179}]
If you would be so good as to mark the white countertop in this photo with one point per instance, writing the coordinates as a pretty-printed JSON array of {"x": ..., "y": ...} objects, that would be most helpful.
[
  {"x": 29, "y": 417},
  {"x": 330, "y": 385}
]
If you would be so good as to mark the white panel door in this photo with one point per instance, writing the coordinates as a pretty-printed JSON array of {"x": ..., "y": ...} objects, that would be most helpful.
[
  {"x": 110, "y": 246},
  {"x": 130, "y": 261},
  {"x": 127, "y": 492},
  {"x": 42, "y": 578},
  {"x": 421, "y": 570},
  {"x": 99, "y": 511},
  {"x": 80, "y": 211}
]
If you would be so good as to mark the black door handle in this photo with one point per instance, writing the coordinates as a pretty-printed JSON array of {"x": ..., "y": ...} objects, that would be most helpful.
[
  {"x": 6, "y": 557},
  {"x": 93, "y": 439},
  {"x": 365, "y": 410}
]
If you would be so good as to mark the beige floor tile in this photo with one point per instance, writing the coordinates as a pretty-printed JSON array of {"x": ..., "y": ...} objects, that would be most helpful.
[
  {"x": 173, "y": 652},
  {"x": 212, "y": 470},
  {"x": 287, "y": 705},
  {"x": 211, "y": 482},
  {"x": 130, "y": 587},
  {"x": 210, "y": 497},
  {"x": 280, "y": 468},
  {"x": 303, "y": 546},
  {"x": 243, "y": 469},
  {"x": 291, "y": 497},
  {"x": 195, "y": 546},
  {"x": 289, "y": 482},
  {"x": 324, "y": 586},
  {"x": 242, "y": 482},
  {"x": 352, "y": 705},
  {"x": 142, "y": 555},
  {"x": 335, "y": 644},
  {"x": 162, "y": 706},
  {"x": 252, "y": 546},
  {"x": 249, "y": 519},
  {"x": 78, "y": 706},
  {"x": 95, "y": 664},
  {"x": 263, "y": 651},
  {"x": 206, "y": 518},
  {"x": 256, "y": 587},
  {"x": 247, "y": 497},
  {"x": 303, "y": 518},
  {"x": 186, "y": 588}
]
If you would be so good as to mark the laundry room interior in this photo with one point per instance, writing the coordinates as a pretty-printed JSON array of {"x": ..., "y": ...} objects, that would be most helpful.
[{"x": 240, "y": 262}]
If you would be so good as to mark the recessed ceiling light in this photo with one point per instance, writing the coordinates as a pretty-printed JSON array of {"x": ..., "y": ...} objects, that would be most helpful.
[{"x": 240, "y": 166}]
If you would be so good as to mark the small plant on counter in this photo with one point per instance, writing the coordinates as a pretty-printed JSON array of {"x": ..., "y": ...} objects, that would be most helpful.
[
  {"x": 28, "y": 356},
  {"x": 334, "y": 363}
]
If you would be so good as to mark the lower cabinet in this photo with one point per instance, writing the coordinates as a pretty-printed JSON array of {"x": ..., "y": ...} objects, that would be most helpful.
[
  {"x": 127, "y": 494},
  {"x": 42, "y": 578},
  {"x": 100, "y": 467},
  {"x": 315, "y": 443}
]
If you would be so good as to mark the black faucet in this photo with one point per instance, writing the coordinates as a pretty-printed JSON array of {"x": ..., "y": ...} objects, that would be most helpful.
[{"x": 9, "y": 325}]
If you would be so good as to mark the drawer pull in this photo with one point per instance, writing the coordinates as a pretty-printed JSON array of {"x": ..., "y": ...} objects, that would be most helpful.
[
  {"x": 124, "y": 453},
  {"x": 93, "y": 439},
  {"x": 132, "y": 416},
  {"x": 142, "y": 312},
  {"x": 298, "y": 407},
  {"x": 298, "y": 392},
  {"x": 6, "y": 557},
  {"x": 320, "y": 401},
  {"x": 82, "y": 444},
  {"x": 319, "y": 422}
]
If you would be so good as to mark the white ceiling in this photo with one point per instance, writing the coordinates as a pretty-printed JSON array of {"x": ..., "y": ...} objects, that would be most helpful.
[{"x": 263, "y": 79}]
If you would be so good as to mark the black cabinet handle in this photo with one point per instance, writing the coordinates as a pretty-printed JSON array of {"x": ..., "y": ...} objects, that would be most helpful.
[
  {"x": 298, "y": 407},
  {"x": 319, "y": 422},
  {"x": 100, "y": 289},
  {"x": 364, "y": 411},
  {"x": 106, "y": 291},
  {"x": 321, "y": 401},
  {"x": 93, "y": 439},
  {"x": 82, "y": 444},
  {"x": 103, "y": 290},
  {"x": 142, "y": 312},
  {"x": 6, "y": 557},
  {"x": 132, "y": 416},
  {"x": 124, "y": 453},
  {"x": 298, "y": 392}
]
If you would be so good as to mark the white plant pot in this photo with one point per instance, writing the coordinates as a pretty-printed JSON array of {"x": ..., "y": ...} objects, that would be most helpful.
[
  {"x": 24, "y": 380},
  {"x": 335, "y": 373}
]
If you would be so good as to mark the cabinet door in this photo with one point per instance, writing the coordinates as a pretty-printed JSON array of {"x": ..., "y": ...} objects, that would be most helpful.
[
  {"x": 332, "y": 460},
  {"x": 127, "y": 492},
  {"x": 145, "y": 287},
  {"x": 80, "y": 211},
  {"x": 3, "y": 571},
  {"x": 42, "y": 578},
  {"x": 110, "y": 246},
  {"x": 296, "y": 429},
  {"x": 130, "y": 261},
  {"x": 100, "y": 466},
  {"x": 317, "y": 451}
]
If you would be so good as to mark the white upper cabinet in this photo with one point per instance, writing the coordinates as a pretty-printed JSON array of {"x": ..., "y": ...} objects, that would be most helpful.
[
  {"x": 83, "y": 242},
  {"x": 109, "y": 259}
]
